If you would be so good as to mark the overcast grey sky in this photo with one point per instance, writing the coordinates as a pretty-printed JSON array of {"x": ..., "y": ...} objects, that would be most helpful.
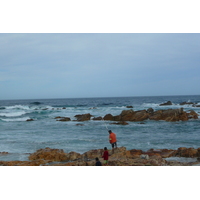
[{"x": 71, "y": 65}]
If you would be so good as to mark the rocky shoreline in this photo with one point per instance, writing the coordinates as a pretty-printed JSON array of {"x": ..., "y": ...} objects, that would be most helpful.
[{"x": 120, "y": 157}]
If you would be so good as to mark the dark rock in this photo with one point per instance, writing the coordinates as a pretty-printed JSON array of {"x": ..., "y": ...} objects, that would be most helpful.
[
  {"x": 186, "y": 103},
  {"x": 97, "y": 118},
  {"x": 108, "y": 117},
  {"x": 120, "y": 123},
  {"x": 84, "y": 117},
  {"x": 129, "y": 106},
  {"x": 29, "y": 120},
  {"x": 63, "y": 119},
  {"x": 150, "y": 110},
  {"x": 169, "y": 103}
]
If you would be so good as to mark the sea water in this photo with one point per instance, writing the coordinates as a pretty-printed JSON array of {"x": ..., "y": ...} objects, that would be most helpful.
[{"x": 20, "y": 137}]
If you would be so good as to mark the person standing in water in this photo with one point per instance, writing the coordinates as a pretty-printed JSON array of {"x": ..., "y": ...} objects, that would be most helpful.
[{"x": 112, "y": 140}]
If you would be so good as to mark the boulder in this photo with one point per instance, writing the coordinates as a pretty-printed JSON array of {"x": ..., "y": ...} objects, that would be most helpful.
[
  {"x": 108, "y": 117},
  {"x": 97, "y": 118},
  {"x": 169, "y": 115},
  {"x": 169, "y": 103},
  {"x": 186, "y": 152},
  {"x": 29, "y": 120},
  {"x": 64, "y": 119},
  {"x": 192, "y": 115},
  {"x": 186, "y": 103},
  {"x": 49, "y": 154},
  {"x": 129, "y": 106},
  {"x": 83, "y": 117}
]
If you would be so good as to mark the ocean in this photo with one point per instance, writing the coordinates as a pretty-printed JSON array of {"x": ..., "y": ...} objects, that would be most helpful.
[{"x": 20, "y": 137}]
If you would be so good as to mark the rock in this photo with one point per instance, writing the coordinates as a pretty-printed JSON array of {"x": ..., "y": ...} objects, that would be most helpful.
[
  {"x": 83, "y": 117},
  {"x": 186, "y": 103},
  {"x": 64, "y": 119},
  {"x": 143, "y": 156},
  {"x": 192, "y": 115},
  {"x": 29, "y": 120},
  {"x": 3, "y": 153},
  {"x": 92, "y": 154},
  {"x": 169, "y": 103},
  {"x": 120, "y": 123},
  {"x": 120, "y": 157},
  {"x": 97, "y": 118},
  {"x": 129, "y": 106},
  {"x": 150, "y": 110},
  {"x": 49, "y": 154},
  {"x": 186, "y": 152},
  {"x": 108, "y": 117},
  {"x": 169, "y": 115},
  {"x": 164, "y": 153},
  {"x": 73, "y": 156}
]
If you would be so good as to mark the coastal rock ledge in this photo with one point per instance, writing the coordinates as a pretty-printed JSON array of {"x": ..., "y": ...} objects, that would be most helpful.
[
  {"x": 170, "y": 115},
  {"x": 120, "y": 157}
]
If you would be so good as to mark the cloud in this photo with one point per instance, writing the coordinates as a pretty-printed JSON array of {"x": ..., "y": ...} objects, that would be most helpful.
[{"x": 87, "y": 65}]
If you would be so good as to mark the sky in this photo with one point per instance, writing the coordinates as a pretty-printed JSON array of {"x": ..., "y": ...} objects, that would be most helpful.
[{"x": 76, "y": 65}]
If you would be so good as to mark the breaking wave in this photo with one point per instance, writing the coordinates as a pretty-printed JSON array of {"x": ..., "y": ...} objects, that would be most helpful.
[
  {"x": 13, "y": 114},
  {"x": 22, "y": 119}
]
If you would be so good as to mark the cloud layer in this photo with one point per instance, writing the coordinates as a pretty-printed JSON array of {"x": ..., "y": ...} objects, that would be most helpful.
[{"x": 68, "y": 65}]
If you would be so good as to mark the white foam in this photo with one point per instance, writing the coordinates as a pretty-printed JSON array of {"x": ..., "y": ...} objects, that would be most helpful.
[
  {"x": 22, "y": 107},
  {"x": 22, "y": 119},
  {"x": 13, "y": 114}
]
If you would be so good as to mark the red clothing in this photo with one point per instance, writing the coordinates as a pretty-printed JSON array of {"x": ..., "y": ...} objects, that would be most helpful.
[
  {"x": 112, "y": 138},
  {"x": 105, "y": 155}
]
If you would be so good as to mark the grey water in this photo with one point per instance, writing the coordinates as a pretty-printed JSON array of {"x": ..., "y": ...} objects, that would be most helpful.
[{"x": 20, "y": 137}]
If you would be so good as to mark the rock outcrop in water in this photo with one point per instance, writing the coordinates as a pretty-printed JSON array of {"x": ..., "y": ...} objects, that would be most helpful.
[
  {"x": 170, "y": 115},
  {"x": 167, "y": 115}
]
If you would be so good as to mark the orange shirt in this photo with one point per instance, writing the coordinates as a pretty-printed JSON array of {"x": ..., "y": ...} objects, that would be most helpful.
[{"x": 112, "y": 138}]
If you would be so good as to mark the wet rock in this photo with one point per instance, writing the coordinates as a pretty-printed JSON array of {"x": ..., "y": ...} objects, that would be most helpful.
[
  {"x": 120, "y": 123},
  {"x": 108, "y": 117},
  {"x": 150, "y": 110},
  {"x": 186, "y": 103},
  {"x": 129, "y": 106},
  {"x": 169, "y": 115},
  {"x": 3, "y": 153},
  {"x": 97, "y": 118},
  {"x": 169, "y": 103},
  {"x": 83, "y": 117},
  {"x": 64, "y": 119},
  {"x": 192, "y": 115},
  {"x": 29, "y": 120}
]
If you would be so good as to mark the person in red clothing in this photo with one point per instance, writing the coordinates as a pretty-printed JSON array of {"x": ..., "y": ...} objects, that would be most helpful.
[
  {"x": 105, "y": 156},
  {"x": 112, "y": 140}
]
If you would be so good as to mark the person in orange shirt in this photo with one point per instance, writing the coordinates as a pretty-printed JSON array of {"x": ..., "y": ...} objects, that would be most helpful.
[{"x": 112, "y": 140}]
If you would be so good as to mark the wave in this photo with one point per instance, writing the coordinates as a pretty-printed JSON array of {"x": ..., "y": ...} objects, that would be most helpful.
[
  {"x": 22, "y": 119},
  {"x": 2, "y": 108},
  {"x": 13, "y": 114},
  {"x": 18, "y": 107}
]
